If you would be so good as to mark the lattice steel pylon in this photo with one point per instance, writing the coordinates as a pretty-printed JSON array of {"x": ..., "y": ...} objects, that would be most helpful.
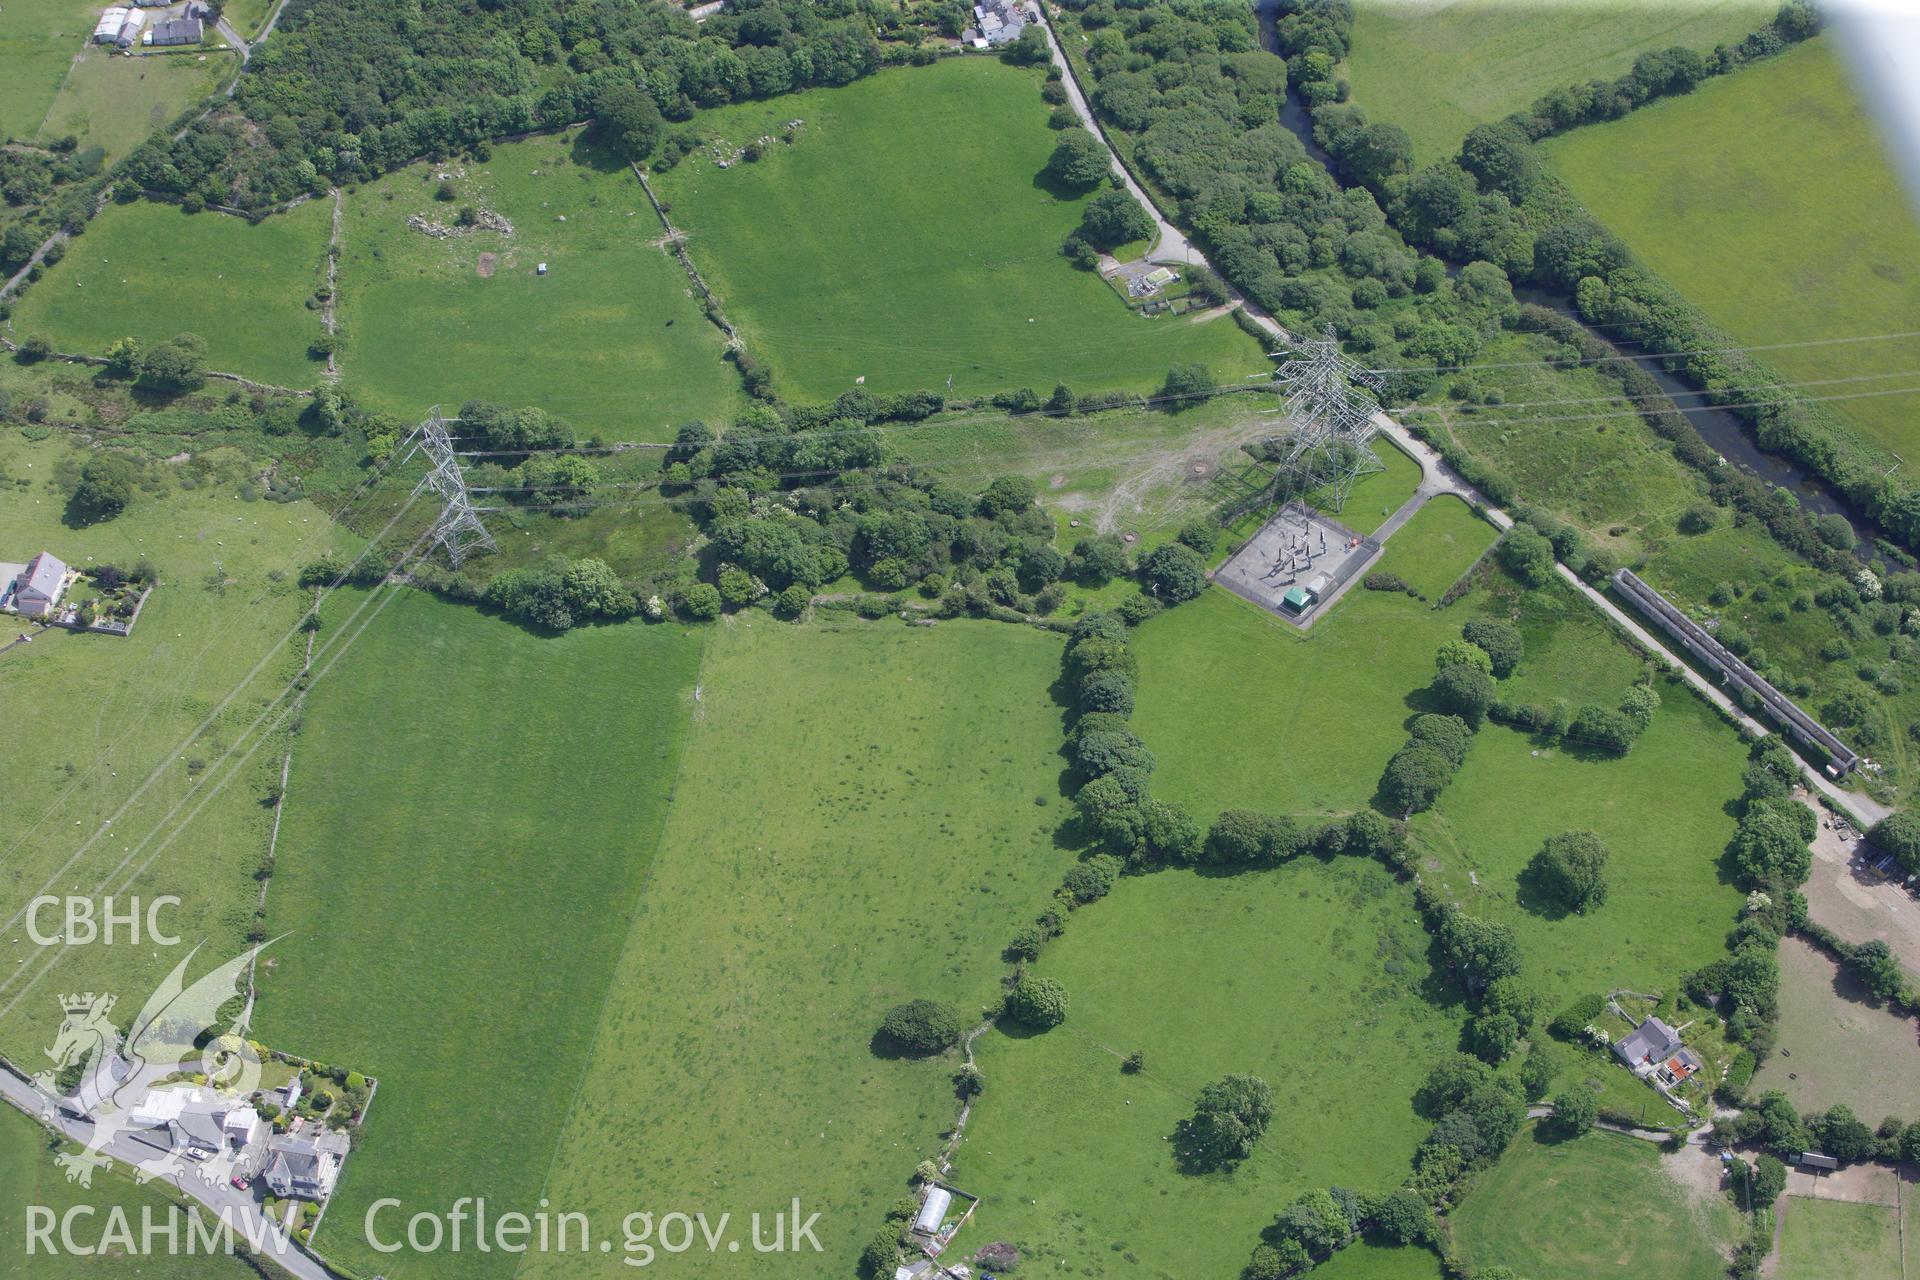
[
  {"x": 1330, "y": 404},
  {"x": 459, "y": 528}
]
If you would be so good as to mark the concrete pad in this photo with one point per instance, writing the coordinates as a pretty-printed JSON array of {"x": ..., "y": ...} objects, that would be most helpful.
[{"x": 1297, "y": 547}]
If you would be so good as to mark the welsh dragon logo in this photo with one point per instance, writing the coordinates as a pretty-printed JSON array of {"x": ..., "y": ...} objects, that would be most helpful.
[{"x": 171, "y": 1037}]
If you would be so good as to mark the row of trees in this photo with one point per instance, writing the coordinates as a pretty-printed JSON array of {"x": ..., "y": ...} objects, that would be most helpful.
[{"x": 1464, "y": 689}]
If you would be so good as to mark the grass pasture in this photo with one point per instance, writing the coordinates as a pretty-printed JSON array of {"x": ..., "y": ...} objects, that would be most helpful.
[
  {"x": 864, "y": 813},
  {"x": 1207, "y": 975},
  {"x": 1377, "y": 496},
  {"x": 1439, "y": 544},
  {"x": 92, "y": 717},
  {"x": 1601, "y": 473},
  {"x": 471, "y": 815},
  {"x": 1766, "y": 198},
  {"x": 1597, "y": 1205},
  {"x": 1437, "y": 70},
  {"x": 149, "y": 271},
  {"x": 609, "y": 338},
  {"x": 1820, "y": 1238},
  {"x": 904, "y": 237},
  {"x": 1659, "y": 810},
  {"x": 28, "y": 1176},
  {"x": 1836, "y": 1044},
  {"x": 1312, "y": 720},
  {"x": 38, "y": 42},
  {"x": 115, "y": 102}
]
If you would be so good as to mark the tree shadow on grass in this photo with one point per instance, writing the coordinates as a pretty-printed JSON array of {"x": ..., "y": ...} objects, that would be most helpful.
[
  {"x": 1531, "y": 894},
  {"x": 589, "y": 152},
  {"x": 1065, "y": 192}
]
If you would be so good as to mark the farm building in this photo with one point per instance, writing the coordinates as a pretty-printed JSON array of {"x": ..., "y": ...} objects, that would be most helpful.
[
  {"x": 111, "y": 20},
  {"x": 176, "y": 31},
  {"x": 34, "y": 588}
]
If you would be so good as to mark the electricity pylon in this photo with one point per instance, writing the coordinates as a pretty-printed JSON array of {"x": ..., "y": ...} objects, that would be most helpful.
[
  {"x": 459, "y": 528},
  {"x": 1331, "y": 411}
]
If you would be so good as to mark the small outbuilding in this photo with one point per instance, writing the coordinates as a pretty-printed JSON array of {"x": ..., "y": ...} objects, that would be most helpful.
[
  {"x": 933, "y": 1211},
  {"x": 1817, "y": 1162}
]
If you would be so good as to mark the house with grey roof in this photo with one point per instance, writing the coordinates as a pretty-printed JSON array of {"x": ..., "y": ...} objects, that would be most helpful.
[
  {"x": 34, "y": 588},
  {"x": 305, "y": 1168},
  {"x": 175, "y": 31},
  {"x": 996, "y": 23},
  {"x": 1655, "y": 1049}
]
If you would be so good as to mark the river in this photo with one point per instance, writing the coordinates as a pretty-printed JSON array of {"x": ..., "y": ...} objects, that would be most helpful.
[{"x": 1722, "y": 429}]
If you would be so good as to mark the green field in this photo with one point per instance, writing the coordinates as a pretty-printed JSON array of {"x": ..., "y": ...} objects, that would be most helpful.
[
  {"x": 472, "y": 813},
  {"x": 1363, "y": 1260},
  {"x": 608, "y": 338},
  {"x": 1311, "y": 976},
  {"x": 1377, "y": 496},
  {"x": 1320, "y": 714},
  {"x": 149, "y": 271},
  {"x": 38, "y": 41},
  {"x": 1437, "y": 70},
  {"x": 28, "y": 1176},
  {"x": 863, "y": 813},
  {"x": 1608, "y": 475},
  {"x": 114, "y": 102},
  {"x": 1820, "y": 1238},
  {"x": 1598, "y": 1205},
  {"x": 91, "y": 717},
  {"x": 1660, "y": 812},
  {"x": 904, "y": 236},
  {"x": 1766, "y": 198},
  {"x": 1438, "y": 545},
  {"x": 1840, "y": 1045}
]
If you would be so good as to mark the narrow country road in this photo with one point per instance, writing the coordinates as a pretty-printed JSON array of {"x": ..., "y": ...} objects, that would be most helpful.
[
  {"x": 1170, "y": 244},
  {"x": 232, "y": 37},
  {"x": 242, "y": 1207}
]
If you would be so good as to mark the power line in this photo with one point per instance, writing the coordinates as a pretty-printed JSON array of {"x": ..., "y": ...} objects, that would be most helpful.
[
  {"x": 1654, "y": 355},
  {"x": 360, "y": 492},
  {"x": 204, "y": 794}
]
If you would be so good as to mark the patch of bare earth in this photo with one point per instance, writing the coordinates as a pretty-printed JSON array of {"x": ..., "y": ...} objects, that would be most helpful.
[{"x": 484, "y": 267}]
